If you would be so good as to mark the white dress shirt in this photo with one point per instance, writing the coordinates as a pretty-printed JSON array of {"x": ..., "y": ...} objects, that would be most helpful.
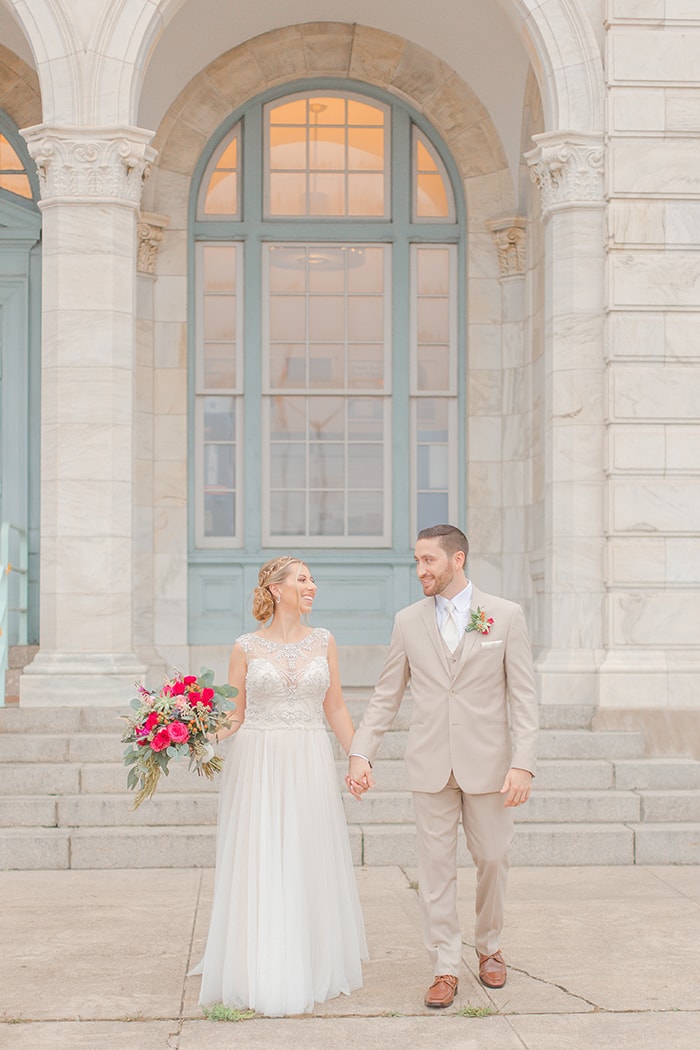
[{"x": 462, "y": 603}]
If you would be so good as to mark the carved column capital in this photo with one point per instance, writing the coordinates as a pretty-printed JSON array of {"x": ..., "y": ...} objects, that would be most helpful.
[
  {"x": 149, "y": 233},
  {"x": 509, "y": 238},
  {"x": 568, "y": 168},
  {"x": 90, "y": 164}
]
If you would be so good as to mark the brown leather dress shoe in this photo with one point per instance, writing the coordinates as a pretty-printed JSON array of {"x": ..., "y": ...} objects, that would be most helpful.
[
  {"x": 492, "y": 970},
  {"x": 442, "y": 991}
]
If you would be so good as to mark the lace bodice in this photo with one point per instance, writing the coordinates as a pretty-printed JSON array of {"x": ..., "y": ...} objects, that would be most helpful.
[{"x": 286, "y": 684}]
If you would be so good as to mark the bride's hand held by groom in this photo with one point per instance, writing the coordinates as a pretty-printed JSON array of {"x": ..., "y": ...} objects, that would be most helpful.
[{"x": 359, "y": 776}]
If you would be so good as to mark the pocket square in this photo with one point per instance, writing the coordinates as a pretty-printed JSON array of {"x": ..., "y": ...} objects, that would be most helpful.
[{"x": 492, "y": 645}]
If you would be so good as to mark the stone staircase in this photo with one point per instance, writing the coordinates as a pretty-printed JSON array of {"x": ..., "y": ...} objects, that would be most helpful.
[{"x": 597, "y": 799}]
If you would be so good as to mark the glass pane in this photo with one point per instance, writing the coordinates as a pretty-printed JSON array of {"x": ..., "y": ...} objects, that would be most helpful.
[
  {"x": 222, "y": 194},
  {"x": 287, "y": 318},
  {"x": 287, "y": 513},
  {"x": 326, "y": 418},
  {"x": 433, "y": 320},
  {"x": 365, "y": 418},
  {"x": 327, "y": 110},
  {"x": 219, "y": 418},
  {"x": 432, "y": 201},
  {"x": 433, "y": 467},
  {"x": 326, "y": 366},
  {"x": 327, "y": 149},
  {"x": 433, "y": 271},
  {"x": 365, "y": 466},
  {"x": 326, "y": 269},
  {"x": 433, "y": 371},
  {"x": 432, "y": 419},
  {"x": 366, "y": 195},
  {"x": 220, "y": 514},
  {"x": 326, "y": 194},
  {"x": 433, "y": 509},
  {"x": 219, "y": 322},
  {"x": 327, "y": 318},
  {"x": 326, "y": 513},
  {"x": 287, "y": 194},
  {"x": 219, "y": 265},
  {"x": 424, "y": 160},
  {"x": 365, "y": 270},
  {"x": 287, "y": 149},
  {"x": 288, "y": 466},
  {"x": 366, "y": 149},
  {"x": 288, "y": 365},
  {"x": 219, "y": 366},
  {"x": 366, "y": 514},
  {"x": 362, "y": 113},
  {"x": 289, "y": 112},
  {"x": 229, "y": 158},
  {"x": 288, "y": 418},
  {"x": 326, "y": 465},
  {"x": 219, "y": 467},
  {"x": 287, "y": 269},
  {"x": 366, "y": 318},
  {"x": 366, "y": 366},
  {"x": 9, "y": 160}
]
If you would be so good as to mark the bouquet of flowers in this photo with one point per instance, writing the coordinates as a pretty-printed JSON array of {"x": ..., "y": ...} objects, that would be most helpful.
[{"x": 173, "y": 722}]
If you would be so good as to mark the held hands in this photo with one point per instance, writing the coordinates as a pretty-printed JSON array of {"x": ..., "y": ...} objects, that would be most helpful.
[
  {"x": 516, "y": 787},
  {"x": 359, "y": 777}
]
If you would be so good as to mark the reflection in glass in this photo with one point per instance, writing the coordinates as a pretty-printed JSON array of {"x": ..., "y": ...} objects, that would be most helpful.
[
  {"x": 365, "y": 466},
  {"x": 432, "y": 191},
  {"x": 219, "y": 266},
  {"x": 288, "y": 418},
  {"x": 288, "y": 465},
  {"x": 433, "y": 320},
  {"x": 288, "y": 365},
  {"x": 326, "y": 418},
  {"x": 326, "y": 513},
  {"x": 219, "y": 467},
  {"x": 433, "y": 507},
  {"x": 326, "y": 465},
  {"x": 433, "y": 271},
  {"x": 12, "y": 173},
  {"x": 219, "y": 320},
  {"x": 219, "y": 418},
  {"x": 287, "y": 513},
  {"x": 220, "y": 514},
  {"x": 433, "y": 368},
  {"x": 365, "y": 514},
  {"x": 219, "y": 366},
  {"x": 432, "y": 419},
  {"x": 433, "y": 467}
]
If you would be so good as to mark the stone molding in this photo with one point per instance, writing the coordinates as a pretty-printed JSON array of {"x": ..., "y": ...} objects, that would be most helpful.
[
  {"x": 149, "y": 234},
  {"x": 509, "y": 238},
  {"x": 568, "y": 168},
  {"x": 90, "y": 164}
]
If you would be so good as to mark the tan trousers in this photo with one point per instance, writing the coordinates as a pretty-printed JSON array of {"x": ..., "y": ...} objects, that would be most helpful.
[{"x": 488, "y": 826}]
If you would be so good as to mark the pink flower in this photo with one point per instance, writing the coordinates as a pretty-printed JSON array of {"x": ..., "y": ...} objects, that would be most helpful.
[
  {"x": 190, "y": 679},
  {"x": 161, "y": 740},
  {"x": 207, "y": 694},
  {"x": 178, "y": 732},
  {"x": 178, "y": 688}
]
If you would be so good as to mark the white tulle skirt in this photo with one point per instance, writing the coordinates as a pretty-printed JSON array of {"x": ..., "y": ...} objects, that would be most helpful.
[{"x": 286, "y": 927}]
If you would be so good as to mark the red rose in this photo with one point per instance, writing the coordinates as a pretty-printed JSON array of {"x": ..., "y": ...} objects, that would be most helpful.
[
  {"x": 178, "y": 732},
  {"x": 190, "y": 679},
  {"x": 207, "y": 694},
  {"x": 206, "y": 703},
  {"x": 161, "y": 740},
  {"x": 194, "y": 696},
  {"x": 178, "y": 688},
  {"x": 148, "y": 725}
]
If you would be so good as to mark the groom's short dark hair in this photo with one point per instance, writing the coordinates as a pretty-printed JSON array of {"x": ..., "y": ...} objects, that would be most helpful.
[{"x": 451, "y": 538}]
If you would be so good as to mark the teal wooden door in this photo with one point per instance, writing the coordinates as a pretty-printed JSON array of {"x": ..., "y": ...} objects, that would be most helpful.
[{"x": 20, "y": 278}]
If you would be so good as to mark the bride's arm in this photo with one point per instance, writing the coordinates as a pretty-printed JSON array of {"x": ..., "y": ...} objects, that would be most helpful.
[
  {"x": 334, "y": 705},
  {"x": 237, "y": 668}
]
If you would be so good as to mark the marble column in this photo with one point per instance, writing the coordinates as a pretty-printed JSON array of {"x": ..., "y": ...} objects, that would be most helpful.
[
  {"x": 568, "y": 168},
  {"x": 91, "y": 181}
]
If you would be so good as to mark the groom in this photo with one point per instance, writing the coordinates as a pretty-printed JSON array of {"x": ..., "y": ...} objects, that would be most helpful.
[{"x": 471, "y": 746}]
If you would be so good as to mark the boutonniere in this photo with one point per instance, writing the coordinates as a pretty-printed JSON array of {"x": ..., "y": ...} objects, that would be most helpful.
[{"x": 479, "y": 621}]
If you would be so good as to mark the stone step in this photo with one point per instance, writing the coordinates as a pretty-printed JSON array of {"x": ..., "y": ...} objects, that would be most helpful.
[
  {"x": 29, "y": 811},
  {"x": 657, "y": 774},
  {"x": 578, "y": 773},
  {"x": 676, "y": 806},
  {"x": 27, "y": 779},
  {"x": 562, "y": 743},
  {"x": 194, "y": 846}
]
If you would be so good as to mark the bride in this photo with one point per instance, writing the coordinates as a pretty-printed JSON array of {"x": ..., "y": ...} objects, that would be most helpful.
[{"x": 286, "y": 928}]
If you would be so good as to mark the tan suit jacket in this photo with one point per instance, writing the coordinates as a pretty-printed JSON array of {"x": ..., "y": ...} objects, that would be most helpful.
[{"x": 474, "y": 711}]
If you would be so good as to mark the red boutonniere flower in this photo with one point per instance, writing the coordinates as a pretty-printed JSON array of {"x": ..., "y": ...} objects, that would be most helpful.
[{"x": 480, "y": 621}]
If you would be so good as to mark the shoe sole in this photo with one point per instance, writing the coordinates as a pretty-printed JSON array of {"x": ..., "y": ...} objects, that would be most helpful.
[
  {"x": 494, "y": 986},
  {"x": 438, "y": 1006}
]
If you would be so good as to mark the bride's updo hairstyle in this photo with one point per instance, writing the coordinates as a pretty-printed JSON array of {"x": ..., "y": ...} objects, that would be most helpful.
[{"x": 273, "y": 571}]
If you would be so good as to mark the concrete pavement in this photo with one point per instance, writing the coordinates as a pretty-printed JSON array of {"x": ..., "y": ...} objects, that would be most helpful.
[{"x": 598, "y": 957}]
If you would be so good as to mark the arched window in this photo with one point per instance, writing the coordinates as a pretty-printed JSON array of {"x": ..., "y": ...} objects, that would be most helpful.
[{"x": 327, "y": 255}]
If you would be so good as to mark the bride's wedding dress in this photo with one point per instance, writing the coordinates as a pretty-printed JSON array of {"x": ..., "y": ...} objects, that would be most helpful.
[{"x": 286, "y": 927}]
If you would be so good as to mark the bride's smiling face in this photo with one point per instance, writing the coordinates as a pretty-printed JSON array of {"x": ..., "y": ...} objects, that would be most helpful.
[{"x": 298, "y": 588}]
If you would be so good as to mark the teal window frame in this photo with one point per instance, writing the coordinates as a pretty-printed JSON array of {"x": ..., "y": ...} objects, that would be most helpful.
[{"x": 221, "y": 578}]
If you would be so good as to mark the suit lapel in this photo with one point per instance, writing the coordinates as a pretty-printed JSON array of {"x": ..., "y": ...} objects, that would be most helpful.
[
  {"x": 471, "y": 638},
  {"x": 430, "y": 623}
]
